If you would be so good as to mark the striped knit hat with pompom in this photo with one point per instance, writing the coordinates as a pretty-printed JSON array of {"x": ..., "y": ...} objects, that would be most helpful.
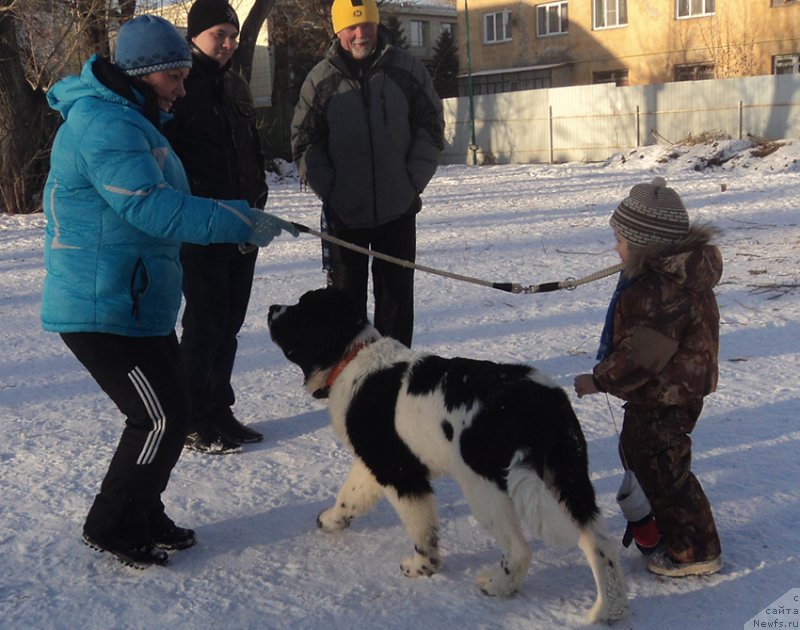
[{"x": 651, "y": 214}]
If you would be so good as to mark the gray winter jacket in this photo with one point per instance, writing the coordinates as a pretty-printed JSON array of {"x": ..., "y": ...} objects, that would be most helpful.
[{"x": 368, "y": 148}]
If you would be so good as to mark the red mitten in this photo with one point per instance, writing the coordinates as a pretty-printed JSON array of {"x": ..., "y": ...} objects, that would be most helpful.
[{"x": 644, "y": 533}]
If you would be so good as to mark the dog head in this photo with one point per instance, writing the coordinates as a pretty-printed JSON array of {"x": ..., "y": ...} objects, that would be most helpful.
[{"x": 317, "y": 332}]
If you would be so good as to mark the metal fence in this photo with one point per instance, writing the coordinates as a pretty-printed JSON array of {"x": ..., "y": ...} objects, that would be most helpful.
[{"x": 592, "y": 122}]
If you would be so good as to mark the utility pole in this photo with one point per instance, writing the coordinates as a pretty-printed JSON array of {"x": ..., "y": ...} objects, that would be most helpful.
[{"x": 473, "y": 146}]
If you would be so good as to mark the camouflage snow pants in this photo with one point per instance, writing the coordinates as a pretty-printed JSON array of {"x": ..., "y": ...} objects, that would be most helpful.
[{"x": 655, "y": 444}]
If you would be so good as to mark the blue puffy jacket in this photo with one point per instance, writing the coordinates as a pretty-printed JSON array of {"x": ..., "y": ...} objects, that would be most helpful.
[{"x": 118, "y": 208}]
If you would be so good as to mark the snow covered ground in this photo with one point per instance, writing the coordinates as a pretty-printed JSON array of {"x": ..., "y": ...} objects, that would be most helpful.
[{"x": 261, "y": 562}]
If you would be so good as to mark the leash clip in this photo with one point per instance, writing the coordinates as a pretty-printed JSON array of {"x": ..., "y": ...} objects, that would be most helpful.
[{"x": 570, "y": 284}]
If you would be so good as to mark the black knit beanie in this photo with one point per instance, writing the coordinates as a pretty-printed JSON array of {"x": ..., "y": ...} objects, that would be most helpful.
[{"x": 207, "y": 13}]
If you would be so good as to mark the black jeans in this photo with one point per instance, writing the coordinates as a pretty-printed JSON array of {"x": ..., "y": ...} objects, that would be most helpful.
[
  {"x": 217, "y": 280},
  {"x": 393, "y": 286},
  {"x": 145, "y": 378}
]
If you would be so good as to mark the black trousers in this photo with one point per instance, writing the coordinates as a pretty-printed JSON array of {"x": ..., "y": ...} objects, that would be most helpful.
[
  {"x": 217, "y": 280},
  {"x": 145, "y": 378},
  {"x": 392, "y": 285}
]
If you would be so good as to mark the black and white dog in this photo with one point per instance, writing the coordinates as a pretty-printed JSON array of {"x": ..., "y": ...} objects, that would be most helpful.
[{"x": 504, "y": 432}]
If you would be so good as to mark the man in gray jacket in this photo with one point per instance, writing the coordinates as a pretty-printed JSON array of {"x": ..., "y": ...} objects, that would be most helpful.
[{"x": 366, "y": 135}]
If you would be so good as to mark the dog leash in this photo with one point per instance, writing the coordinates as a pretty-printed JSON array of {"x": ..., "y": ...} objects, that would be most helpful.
[{"x": 510, "y": 287}]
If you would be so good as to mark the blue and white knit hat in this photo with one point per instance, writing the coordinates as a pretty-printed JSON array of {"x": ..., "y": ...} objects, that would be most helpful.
[
  {"x": 149, "y": 43},
  {"x": 651, "y": 214}
]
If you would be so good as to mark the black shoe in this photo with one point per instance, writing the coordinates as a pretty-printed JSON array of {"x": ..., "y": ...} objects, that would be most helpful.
[
  {"x": 211, "y": 442},
  {"x": 229, "y": 427},
  {"x": 167, "y": 535},
  {"x": 136, "y": 556}
]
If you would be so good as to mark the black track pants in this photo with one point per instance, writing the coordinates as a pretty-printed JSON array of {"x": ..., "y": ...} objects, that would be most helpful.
[{"x": 145, "y": 378}]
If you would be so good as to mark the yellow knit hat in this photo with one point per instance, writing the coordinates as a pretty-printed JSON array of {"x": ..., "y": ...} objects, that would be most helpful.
[{"x": 345, "y": 13}]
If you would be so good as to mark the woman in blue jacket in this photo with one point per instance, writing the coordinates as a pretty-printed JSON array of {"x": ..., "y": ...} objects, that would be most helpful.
[{"x": 118, "y": 208}]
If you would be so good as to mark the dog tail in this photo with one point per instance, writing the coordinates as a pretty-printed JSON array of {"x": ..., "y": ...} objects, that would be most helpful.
[
  {"x": 546, "y": 510},
  {"x": 537, "y": 504},
  {"x": 549, "y": 485},
  {"x": 554, "y": 449}
]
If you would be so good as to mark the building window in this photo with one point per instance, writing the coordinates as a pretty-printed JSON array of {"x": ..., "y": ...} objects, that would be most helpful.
[
  {"x": 617, "y": 77},
  {"x": 694, "y": 72},
  {"x": 507, "y": 82},
  {"x": 419, "y": 34},
  {"x": 497, "y": 27},
  {"x": 551, "y": 19},
  {"x": 610, "y": 13},
  {"x": 783, "y": 3},
  {"x": 448, "y": 27},
  {"x": 786, "y": 64},
  {"x": 695, "y": 8}
]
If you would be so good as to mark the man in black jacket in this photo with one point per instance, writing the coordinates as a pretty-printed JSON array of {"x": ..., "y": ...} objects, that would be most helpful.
[{"x": 214, "y": 134}]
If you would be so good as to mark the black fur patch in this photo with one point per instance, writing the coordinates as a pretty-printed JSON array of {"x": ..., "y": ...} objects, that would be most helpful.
[
  {"x": 513, "y": 412},
  {"x": 371, "y": 429},
  {"x": 463, "y": 381},
  {"x": 447, "y": 428},
  {"x": 540, "y": 420}
]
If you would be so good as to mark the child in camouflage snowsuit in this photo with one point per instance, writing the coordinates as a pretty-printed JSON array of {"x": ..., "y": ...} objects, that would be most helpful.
[{"x": 658, "y": 352}]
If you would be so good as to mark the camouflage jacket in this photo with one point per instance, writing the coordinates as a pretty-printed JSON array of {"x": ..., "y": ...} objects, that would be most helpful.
[{"x": 666, "y": 325}]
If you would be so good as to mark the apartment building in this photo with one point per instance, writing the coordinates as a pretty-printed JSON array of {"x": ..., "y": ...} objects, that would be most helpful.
[
  {"x": 529, "y": 44},
  {"x": 422, "y": 23}
]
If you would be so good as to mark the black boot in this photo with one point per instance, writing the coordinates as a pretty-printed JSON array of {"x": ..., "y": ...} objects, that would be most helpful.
[
  {"x": 212, "y": 442},
  {"x": 138, "y": 556},
  {"x": 230, "y": 428},
  {"x": 167, "y": 535}
]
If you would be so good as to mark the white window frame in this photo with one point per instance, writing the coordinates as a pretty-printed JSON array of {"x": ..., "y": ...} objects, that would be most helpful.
[
  {"x": 609, "y": 9},
  {"x": 687, "y": 9},
  {"x": 490, "y": 23},
  {"x": 793, "y": 58},
  {"x": 417, "y": 34},
  {"x": 544, "y": 14}
]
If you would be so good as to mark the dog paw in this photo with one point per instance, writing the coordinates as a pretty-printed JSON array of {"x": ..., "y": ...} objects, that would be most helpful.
[
  {"x": 332, "y": 520},
  {"x": 419, "y": 565},
  {"x": 496, "y": 582}
]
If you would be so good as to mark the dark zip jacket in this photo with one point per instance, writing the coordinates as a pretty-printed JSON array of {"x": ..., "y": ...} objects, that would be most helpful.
[
  {"x": 214, "y": 134},
  {"x": 367, "y": 139}
]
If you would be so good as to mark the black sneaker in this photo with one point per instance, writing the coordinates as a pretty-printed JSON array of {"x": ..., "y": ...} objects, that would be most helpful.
[
  {"x": 137, "y": 557},
  {"x": 167, "y": 535},
  {"x": 211, "y": 442},
  {"x": 230, "y": 428}
]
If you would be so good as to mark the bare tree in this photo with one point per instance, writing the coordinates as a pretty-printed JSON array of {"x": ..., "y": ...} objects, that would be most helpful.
[
  {"x": 300, "y": 31},
  {"x": 729, "y": 37},
  {"x": 26, "y": 122},
  {"x": 41, "y": 41},
  {"x": 248, "y": 35}
]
